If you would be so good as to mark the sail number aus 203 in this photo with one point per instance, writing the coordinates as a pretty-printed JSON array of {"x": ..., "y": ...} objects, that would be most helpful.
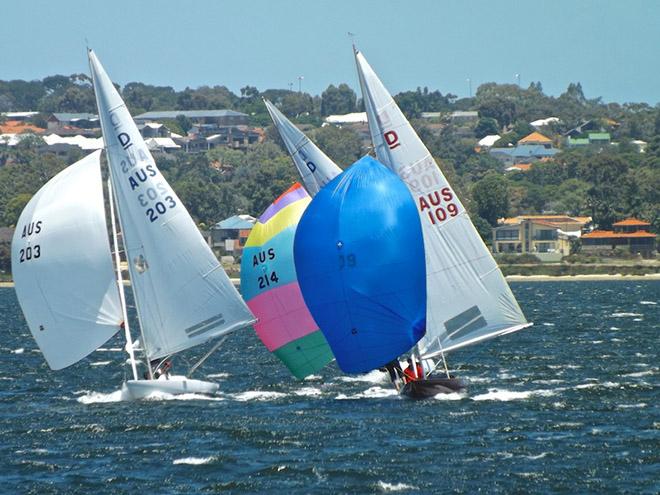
[{"x": 30, "y": 252}]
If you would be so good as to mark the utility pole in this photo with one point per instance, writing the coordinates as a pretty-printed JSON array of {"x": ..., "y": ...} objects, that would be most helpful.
[{"x": 300, "y": 78}]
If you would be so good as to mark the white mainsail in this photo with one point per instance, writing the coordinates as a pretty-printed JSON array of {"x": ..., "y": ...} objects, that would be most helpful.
[
  {"x": 314, "y": 166},
  {"x": 62, "y": 265},
  {"x": 183, "y": 296},
  {"x": 468, "y": 299}
]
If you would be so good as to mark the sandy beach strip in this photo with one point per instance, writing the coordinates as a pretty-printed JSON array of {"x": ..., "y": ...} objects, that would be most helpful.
[{"x": 514, "y": 278}]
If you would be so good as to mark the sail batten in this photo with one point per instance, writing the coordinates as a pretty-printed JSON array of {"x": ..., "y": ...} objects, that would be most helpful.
[
  {"x": 176, "y": 280},
  {"x": 461, "y": 273}
]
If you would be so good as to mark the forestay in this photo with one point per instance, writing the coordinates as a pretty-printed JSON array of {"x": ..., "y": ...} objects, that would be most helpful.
[
  {"x": 314, "y": 166},
  {"x": 270, "y": 287},
  {"x": 62, "y": 266},
  {"x": 359, "y": 257},
  {"x": 183, "y": 296},
  {"x": 468, "y": 298}
]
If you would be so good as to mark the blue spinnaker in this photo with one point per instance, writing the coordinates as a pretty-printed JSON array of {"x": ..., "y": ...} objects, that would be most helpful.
[{"x": 359, "y": 257}]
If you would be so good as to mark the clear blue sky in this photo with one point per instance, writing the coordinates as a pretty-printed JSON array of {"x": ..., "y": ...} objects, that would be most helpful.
[{"x": 610, "y": 46}]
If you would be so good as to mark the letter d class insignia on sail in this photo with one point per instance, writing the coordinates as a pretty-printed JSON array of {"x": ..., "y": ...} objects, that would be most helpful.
[
  {"x": 359, "y": 256},
  {"x": 270, "y": 288}
]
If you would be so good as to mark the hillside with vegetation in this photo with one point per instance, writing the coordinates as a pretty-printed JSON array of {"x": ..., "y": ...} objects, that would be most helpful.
[{"x": 608, "y": 183}]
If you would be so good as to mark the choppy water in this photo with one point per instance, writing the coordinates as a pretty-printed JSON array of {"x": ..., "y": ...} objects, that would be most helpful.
[{"x": 569, "y": 406}]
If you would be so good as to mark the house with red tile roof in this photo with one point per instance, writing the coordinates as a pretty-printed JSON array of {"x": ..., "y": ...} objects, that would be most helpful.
[{"x": 631, "y": 234}]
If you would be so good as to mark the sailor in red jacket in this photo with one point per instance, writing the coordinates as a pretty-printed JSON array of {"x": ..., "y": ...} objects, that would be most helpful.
[{"x": 409, "y": 374}]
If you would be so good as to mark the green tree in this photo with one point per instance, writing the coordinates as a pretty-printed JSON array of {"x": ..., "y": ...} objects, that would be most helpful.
[
  {"x": 491, "y": 197},
  {"x": 338, "y": 100},
  {"x": 486, "y": 127},
  {"x": 343, "y": 144},
  {"x": 14, "y": 207}
]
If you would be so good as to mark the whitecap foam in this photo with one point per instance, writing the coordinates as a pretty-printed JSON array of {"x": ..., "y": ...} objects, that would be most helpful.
[
  {"x": 640, "y": 373},
  {"x": 383, "y": 486},
  {"x": 452, "y": 396},
  {"x": 100, "y": 363},
  {"x": 370, "y": 393},
  {"x": 155, "y": 396},
  {"x": 258, "y": 395},
  {"x": 20, "y": 350},
  {"x": 624, "y": 315},
  {"x": 615, "y": 328},
  {"x": 101, "y": 398},
  {"x": 218, "y": 375},
  {"x": 534, "y": 457},
  {"x": 507, "y": 395},
  {"x": 652, "y": 303},
  {"x": 638, "y": 319},
  {"x": 374, "y": 376},
  {"x": 632, "y": 406},
  {"x": 308, "y": 392},
  {"x": 109, "y": 349},
  {"x": 313, "y": 378},
  {"x": 548, "y": 324},
  {"x": 194, "y": 461}
]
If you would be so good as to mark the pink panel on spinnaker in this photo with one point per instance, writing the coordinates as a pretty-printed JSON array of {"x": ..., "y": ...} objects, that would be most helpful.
[{"x": 289, "y": 317}]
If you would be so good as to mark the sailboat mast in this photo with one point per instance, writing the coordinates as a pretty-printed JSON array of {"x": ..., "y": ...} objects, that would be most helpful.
[
  {"x": 120, "y": 282},
  {"x": 137, "y": 304}
]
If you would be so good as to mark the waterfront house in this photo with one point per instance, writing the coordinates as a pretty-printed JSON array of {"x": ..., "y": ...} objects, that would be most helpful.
[
  {"x": 547, "y": 236},
  {"x": 229, "y": 235},
  {"x": 631, "y": 234}
]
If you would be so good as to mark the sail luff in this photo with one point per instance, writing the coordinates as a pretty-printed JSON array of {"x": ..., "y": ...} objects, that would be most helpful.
[
  {"x": 468, "y": 298},
  {"x": 316, "y": 169}
]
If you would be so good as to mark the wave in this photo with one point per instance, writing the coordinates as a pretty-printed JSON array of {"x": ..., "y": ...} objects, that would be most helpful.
[
  {"x": 101, "y": 398},
  {"x": 100, "y": 363},
  {"x": 632, "y": 406},
  {"x": 370, "y": 393},
  {"x": 194, "y": 461},
  {"x": 218, "y": 375},
  {"x": 507, "y": 395},
  {"x": 640, "y": 373},
  {"x": 652, "y": 303},
  {"x": 624, "y": 315},
  {"x": 383, "y": 486},
  {"x": 374, "y": 376},
  {"x": 258, "y": 395},
  {"x": 308, "y": 392},
  {"x": 20, "y": 350},
  {"x": 452, "y": 396},
  {"x": 109, "y": 349},
  {"x": 154, "y": 396},
  {"x": 548, "y": 324},
  {"x": 313, "y": 378}
]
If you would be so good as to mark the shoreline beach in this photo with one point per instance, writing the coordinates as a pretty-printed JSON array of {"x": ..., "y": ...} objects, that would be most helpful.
[{"x": 513, "y": 278}]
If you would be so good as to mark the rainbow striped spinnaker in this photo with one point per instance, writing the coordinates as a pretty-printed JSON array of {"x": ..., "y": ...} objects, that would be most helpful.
[{"x": 270, "y": 287}]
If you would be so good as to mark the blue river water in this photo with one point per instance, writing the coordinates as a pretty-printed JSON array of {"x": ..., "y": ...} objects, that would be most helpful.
[{"x": 569, "y": 406}]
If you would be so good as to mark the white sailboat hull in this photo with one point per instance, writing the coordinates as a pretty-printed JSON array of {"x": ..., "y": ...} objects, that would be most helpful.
[{"x": 174, "y": 385}]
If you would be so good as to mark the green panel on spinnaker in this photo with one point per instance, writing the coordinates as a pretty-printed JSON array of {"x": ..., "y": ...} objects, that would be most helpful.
[{"x": 305, "y": 355}]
